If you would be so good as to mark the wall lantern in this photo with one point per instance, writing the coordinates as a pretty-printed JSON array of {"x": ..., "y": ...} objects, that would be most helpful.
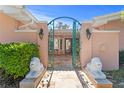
[
  {"x": 88, "y": 33},
  {"x": 41, "y": 34}
]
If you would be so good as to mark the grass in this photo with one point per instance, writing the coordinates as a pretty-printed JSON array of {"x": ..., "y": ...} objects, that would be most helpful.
[{"x": 116, "y": 76}]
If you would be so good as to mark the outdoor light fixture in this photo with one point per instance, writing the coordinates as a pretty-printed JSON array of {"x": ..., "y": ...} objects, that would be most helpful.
[
  {"x": 88, "y": 33},
  {"x": 41, "y": 33}
]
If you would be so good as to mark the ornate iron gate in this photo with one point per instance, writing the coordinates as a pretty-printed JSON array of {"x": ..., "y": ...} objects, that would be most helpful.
[
  {"x": 51, "y": 44},
  {"x": 51, "y": 28}
]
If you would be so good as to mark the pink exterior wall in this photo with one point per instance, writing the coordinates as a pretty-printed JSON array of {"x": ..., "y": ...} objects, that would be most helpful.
[
  {"x": 85, "y": 51},
  {"x": 102, "y": 44},
  {"x": 115, "y": 25},
  {"x": 8, "y": 26},
  {"x": 89, "y": 48},
  {"x": 105, "y": 45},
  {"x": 44, "y": 44}
]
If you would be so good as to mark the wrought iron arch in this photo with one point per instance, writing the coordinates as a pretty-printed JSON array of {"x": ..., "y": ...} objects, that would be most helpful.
[
  {"x": 64, "y": 17},
  {"x": 51, "y": 38}
]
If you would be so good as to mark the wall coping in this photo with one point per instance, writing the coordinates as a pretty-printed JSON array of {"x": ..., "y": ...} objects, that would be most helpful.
[
  {"x": 106, "y": 31},
  {"x": 20, "y": 31}
]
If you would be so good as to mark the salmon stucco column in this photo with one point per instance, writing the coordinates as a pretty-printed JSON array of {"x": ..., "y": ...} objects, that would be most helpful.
[
  {"x": 43, "y": 44},
  {"x": 85, "y": 45}
]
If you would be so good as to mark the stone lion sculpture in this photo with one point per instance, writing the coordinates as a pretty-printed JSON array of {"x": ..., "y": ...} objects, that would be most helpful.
[
  {"x": 36, "y": 68},
  {"x": 95, "y": 67}
]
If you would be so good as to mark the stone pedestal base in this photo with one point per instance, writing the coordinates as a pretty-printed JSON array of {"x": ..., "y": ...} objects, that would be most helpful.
[
  {"x": 98, "y": 83},
  {"x": 31, "y": 83}
]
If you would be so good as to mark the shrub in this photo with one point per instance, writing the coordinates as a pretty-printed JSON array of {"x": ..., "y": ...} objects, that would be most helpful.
[
  {"x": 121, "y": 57},
  {"x": 15, "y": 57}
]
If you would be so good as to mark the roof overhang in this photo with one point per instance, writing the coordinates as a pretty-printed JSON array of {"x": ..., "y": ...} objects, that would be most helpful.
[
  {"x": 18, "y": 12},
  {"x": 101, "y": 20}
]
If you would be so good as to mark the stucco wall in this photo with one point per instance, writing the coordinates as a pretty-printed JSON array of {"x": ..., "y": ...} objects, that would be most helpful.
[
  {"x": 85, "y": 44},
  {"x": 7, "y": 27},
  {"x": 43, "y": 44},
  {"x": 102, "y": 44},
  {"x": 115, "y": 25},
  {"x": 105, "y": 45}
]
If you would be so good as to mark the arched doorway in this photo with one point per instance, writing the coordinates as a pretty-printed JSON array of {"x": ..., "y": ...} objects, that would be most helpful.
[{"x": 71, "y": 45}]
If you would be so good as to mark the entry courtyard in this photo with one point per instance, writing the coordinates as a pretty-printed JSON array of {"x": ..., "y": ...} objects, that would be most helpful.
[{"x": 71, "y": 49}]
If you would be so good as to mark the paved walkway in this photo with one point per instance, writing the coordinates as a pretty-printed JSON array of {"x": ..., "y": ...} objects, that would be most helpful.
[
  {"x": 65, "y": 79},
  {"x": 64, "y": 75}
]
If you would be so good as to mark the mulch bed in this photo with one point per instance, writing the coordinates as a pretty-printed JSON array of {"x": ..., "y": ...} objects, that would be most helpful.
[
  {"x": 116, "y": 77},
  {"x": 8, "y": 81}
]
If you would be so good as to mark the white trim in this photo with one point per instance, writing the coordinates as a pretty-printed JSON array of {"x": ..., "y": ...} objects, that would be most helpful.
[
  {"x": 105, "y": 31},
  {"x": 107, "y": 15},
  {"x": 101, "y": 20},
  {"x": 15, "y": 12},
  {"x": 30, "y": 15},
  {"x": 99, "y": 23},
  {"x": 19, "y": 13},
  {"x": 26, "y": 31},
  {"x": 25, "y": 25}
]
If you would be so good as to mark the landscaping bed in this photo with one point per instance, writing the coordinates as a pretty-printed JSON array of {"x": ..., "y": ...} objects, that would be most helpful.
[
  {"x": 14, "y": 62},
  {"x": 116, "y": 77},
  {"x": 9, "y": 81}
]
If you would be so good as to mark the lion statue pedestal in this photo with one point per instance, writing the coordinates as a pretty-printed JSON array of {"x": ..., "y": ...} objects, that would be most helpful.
[
  {"x": 95, "y": 68},
  {"x": 36, "y": 68}
]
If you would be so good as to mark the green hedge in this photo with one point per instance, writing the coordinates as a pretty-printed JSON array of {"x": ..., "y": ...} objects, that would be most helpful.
[
  {"x": 15, "y": 57},
  {"x": 121, "y": 57}
]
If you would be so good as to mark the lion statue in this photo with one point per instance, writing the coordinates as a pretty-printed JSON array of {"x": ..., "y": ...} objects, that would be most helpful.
[
  {"x": 95, "y": 67},
  {"x": 36, "y": 68}
]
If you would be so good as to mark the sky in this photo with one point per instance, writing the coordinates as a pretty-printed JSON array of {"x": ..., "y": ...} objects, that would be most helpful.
[{"x": 79, "y": 12}]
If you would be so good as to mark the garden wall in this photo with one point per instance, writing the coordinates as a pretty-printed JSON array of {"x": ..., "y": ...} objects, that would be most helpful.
[
  {"x": 43, "y": 44},
  {"x": 8, "y": 26},
  {"x": 85, "y": 45},
  {"x": 105, "y": 45},
  {"x": 115, "y": 25},
  {"x": 102, "y": 44}
]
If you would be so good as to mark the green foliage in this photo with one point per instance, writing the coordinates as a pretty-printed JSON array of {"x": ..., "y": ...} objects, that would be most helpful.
[
  {"x": 15, "y": 57},
  {"x": 116, "y": 77},
  {"x": 116, "y": 74},
  {"x": 121, "y": 57}
]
